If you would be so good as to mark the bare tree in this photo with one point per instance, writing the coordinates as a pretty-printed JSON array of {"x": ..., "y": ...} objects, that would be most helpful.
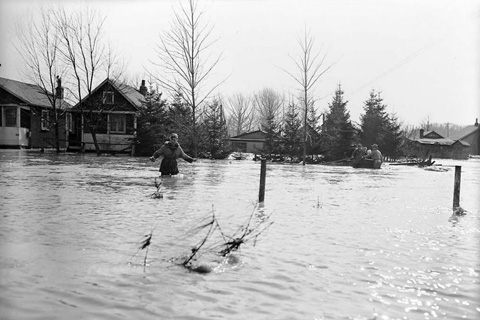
[
  {"x": 184, "y": 61},
  {"x": 426, "y": 123},
  {"x": 90, "y": 60},
  {"x": 39, "y": 48},
  {"x": 310, "y": 67},
  {"x": 268, "y": 104},
  {"x": 241, "y": 113}
]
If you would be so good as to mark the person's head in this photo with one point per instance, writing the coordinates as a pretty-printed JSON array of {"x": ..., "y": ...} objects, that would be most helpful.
[
  {"x": 174, "y": 138},
  {"x": 374, "y": 147},
  {"x": 359, "y": 146}
]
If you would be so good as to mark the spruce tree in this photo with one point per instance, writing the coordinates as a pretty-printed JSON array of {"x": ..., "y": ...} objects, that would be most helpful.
[
  {"x": 180, "y": 118},
  {"x": 339, "y": 133},
  {"x": 271, "y": 128},
  {"x": 374, "y": 122},
  {"x": 313, "y": 131},
  {"x": 214, "y": 131},
  {"x": 393, "y": 138},
  {"x": 152, "y": 124},
  {"x": 292, "y": 133}
]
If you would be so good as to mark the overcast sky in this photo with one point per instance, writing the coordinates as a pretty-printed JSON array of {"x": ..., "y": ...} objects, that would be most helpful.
[{"x": 424, "y": 56}]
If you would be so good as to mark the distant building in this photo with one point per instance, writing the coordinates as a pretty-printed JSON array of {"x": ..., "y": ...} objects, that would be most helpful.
[
  {"x": 471, "y": 135},
  {"x": 250, "y": 142},
  {"x": 435, "y": 145},
  {"x": 27, "y": 116},
  {"x": 115, "y": 106}
]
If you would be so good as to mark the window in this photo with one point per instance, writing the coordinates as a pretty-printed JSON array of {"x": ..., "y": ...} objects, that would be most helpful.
[
  {"x": 97, "y": 121},
  {"x": 70, "y": 125},
  {"x": 45, "y": 120},
  {"x": 108, "y": 97},
  {"x": 117, "y": 123},
  {"x": 10, "y": 116},
  {"x": 130, "y": 124},
  {"x": 239, "y": 146},
  {"x": 25, "y": 118}
]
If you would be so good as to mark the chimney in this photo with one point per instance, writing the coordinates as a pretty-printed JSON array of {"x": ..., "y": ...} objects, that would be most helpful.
[
  {"x": 476, "y": 122},
  {"x": 143, "y": 89},
  {"x": 59, "y": 89},
  {"x": 421, "y": 133}
]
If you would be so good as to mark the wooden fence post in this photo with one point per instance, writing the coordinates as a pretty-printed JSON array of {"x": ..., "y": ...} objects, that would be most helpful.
[
  {"x": 263, "y": 173},
  {"x": 456, "y": 187}
]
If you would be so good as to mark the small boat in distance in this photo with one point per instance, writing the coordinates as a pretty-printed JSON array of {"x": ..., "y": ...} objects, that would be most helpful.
[
  {"x": 347, "y": 162},
  {"x": 240, "y": 156}
]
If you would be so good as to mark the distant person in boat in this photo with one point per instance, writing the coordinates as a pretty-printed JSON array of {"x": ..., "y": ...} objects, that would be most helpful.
[
  {"x": 357, "y": 155},
  {"x": 376, "y": 156},
  {"x": 171, "y": 151}
]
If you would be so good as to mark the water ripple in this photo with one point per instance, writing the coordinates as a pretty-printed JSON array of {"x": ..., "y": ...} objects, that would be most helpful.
[{"x": 345, "y": 243}]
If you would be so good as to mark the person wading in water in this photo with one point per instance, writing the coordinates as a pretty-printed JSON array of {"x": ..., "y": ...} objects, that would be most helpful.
[
  {"x": 377, "y": 157},
  {"x": 171, "y": 151},
  {"x": 357, "y": 155}
]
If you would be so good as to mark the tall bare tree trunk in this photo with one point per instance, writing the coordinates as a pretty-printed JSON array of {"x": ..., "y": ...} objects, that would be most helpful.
[
  {"x": 309, "y": 68},
  {"x": 39, "y": 47},
  {"x": 182, "y": 54}
]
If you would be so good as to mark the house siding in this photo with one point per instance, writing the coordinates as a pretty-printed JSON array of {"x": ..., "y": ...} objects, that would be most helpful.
[
  {"x": 45, "y": 139},
  {"x": 251, "y": 142},
  {"x": 247, "y": 146},
  {"x": 28, "y": 101},
  {"x": 433, "y": 144},
  {"x": 474, "y": 140},
  {"x": 454, "y": 151},
  {"x": 109, "y": 139}
]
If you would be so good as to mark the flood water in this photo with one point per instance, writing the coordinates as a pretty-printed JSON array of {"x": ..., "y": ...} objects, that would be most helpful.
[{"x": 344, "y": 244}]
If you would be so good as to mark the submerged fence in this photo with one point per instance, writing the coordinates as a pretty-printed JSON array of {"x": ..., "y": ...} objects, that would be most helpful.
[
  {"x": 263, "y": 174},
  {"x": 456, "y": 187}
]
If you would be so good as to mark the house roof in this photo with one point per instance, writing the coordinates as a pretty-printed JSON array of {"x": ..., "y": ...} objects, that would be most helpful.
[
  {"x": 442, "y": 141},
  {"x": 465, "y": 132},
  {"x": 254, "y": 135},
  {"x": 30, "y": 94},
  {"x": 463, "y": 143},
  {"x": 131, "y": 94},
  {"x": 128, "y": 92},
  {"x": 432, "y": 135}
]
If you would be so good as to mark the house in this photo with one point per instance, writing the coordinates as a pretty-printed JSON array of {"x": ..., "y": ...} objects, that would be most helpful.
[
  {"x": 112, "y": 110},
  {"x": 471, "y": 135},
  {"x": 435, "y": 145},
  {"x": 250, "y": 142},
  {"x": 27, "y": 116}
]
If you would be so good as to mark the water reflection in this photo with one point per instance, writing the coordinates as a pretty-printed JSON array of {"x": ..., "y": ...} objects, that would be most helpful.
[{"x": 381, "y": 240}]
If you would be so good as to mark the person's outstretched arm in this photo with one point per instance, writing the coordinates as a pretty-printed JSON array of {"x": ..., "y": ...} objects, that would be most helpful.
[
  {"x": 157, "y": 154},
  {"x": 185, "y": 156}
]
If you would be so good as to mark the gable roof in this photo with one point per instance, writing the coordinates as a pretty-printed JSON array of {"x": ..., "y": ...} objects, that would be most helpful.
[
  {"x": 432, "y": 135},
  {"x": 131, "y": 94},
  {"x": 463, "y": 143},
  {"x": 30, "y": 94},
  {"x": 441, "y": 141},
  {"x": 465, "y": 132},
  {"x": 253, "y": 135}
]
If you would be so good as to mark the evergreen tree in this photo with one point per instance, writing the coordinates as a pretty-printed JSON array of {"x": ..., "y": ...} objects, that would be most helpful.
[
  {"x": 271, "y": 127},
  {"x": 214, "y": 131},
  {"x": 152, "y": 124},
  {"x": 374, "y": 122},
  {"x": 339, "y": 133},
  {"x": 313, "y": 145},
  {"x": 180, "y": 116},
  {"x": 292, "y": 133},
  {"x": 393, "y": 138}
]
